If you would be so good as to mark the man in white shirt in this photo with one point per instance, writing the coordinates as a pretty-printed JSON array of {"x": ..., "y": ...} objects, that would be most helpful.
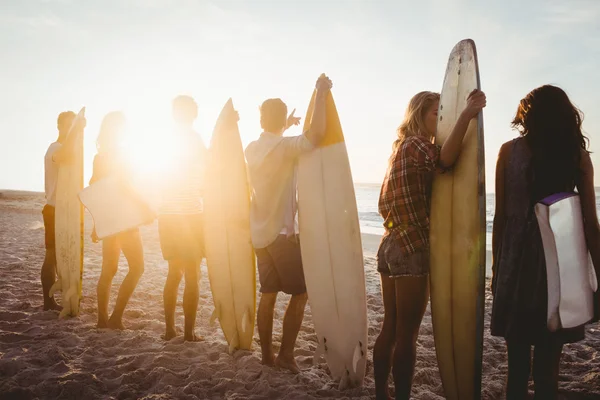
[
  {"x": 272, "y": 162},
  {"x": 51, "y": 163}
]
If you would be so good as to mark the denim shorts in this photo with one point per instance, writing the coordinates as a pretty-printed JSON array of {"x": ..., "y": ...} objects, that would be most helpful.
[{"x": 392, "y": 260}]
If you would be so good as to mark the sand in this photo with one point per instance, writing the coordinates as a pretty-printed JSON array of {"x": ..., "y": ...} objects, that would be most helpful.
[{"x": 42, "y": 357}]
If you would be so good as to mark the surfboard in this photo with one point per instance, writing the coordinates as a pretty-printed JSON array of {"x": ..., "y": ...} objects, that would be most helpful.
[
  {"x": 69, "y": 223},
  {"x": 117, "y": 206},
  {"x": 457, "y": 236},
  {"x": 229, "y": 253},
  {"x": 332, "y": 253}
]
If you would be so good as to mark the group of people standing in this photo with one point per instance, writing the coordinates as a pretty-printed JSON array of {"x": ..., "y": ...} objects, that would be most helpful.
[
  {"x": 549, "y": 156},
  {"x": 274, "y": 227}
]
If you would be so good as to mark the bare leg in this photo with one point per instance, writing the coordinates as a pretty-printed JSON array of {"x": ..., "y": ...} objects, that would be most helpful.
[
  {"x": 131, "y": 244},
  {"x": 519, "y": 368},
  {"x": 110, "y": 262},
  {"x": 386, "y": 341},
  {"x": 292, "y": 321},
  {"x": 190, "y": 300},
  {"x": 412, "y": 295},
  {"x": 266, "y": 307},
  {"x": 546, "y": 361},
  {"x": 48, "y": 276},
  {"x": 170, "y": 296}
]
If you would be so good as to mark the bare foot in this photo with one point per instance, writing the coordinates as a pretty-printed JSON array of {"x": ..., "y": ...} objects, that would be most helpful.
[
  {"x": 192, "y": 338},
  {"x": 101, "y": 324},
  {"x": 52, "y": 306},
  {"x": 169, "y": 334},
  {"x": 268, "y": 360},
  {"x": 383, "y": 396},
  {"x": 115, "y": 324},
  {"x": 289, "y": 364}
]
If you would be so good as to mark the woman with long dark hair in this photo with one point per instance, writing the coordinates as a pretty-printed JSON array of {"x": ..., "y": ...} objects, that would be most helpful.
[{"x": 550, "y": 156}]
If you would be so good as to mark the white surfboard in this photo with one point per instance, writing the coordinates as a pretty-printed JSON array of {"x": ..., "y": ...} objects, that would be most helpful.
[
  {"x": 117, "y": 206},
  {"x": 69, "y": 223},
  {"x": 229, "y": 253},
  {"x": 332, "y": 254}
]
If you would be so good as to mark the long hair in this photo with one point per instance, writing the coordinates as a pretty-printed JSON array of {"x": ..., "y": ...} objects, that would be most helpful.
[
  {"x": 110, "y": 129},
  {"x": 414, "y": 117},
  {"x": 551, "y": 125}
]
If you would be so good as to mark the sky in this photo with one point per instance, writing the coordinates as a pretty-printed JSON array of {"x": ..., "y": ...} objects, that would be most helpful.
[{"x": 136, "y": 55}]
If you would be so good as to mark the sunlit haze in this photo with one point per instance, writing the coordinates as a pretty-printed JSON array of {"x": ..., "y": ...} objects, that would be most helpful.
[{"x": 135, "y": 56}]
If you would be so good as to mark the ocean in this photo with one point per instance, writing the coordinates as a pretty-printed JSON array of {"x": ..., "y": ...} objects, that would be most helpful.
[{"x": 367, "y": 196}]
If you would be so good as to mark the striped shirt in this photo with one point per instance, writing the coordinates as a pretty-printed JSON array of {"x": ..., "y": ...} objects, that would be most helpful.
[{"x": 183, "y": 185}]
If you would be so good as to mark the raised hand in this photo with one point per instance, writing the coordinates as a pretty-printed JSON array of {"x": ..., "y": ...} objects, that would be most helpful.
[
  {"x": 475, "y": 103},
  {"x": 292, "y": 120}
]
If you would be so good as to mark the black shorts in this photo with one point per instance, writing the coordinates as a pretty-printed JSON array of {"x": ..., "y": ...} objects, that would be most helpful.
[
  {"x": 48, "y": 213},
  {"x": 280, "y": 267},
  {"x": 181, "y": 237}
]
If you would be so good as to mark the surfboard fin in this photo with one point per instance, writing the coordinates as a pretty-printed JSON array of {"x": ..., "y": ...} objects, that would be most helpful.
[
  {"x": 245, "y": 321},
  {"x": 344, "y": 381},
  {"x": 216, "y": 314},
  {"x": 319, "y": 352},
  {"x": 68, "y": 299},
  {"x": 357, "y": 356},
  {"x": 57, "y": 287},
  {"x": 234, "y": 344}
]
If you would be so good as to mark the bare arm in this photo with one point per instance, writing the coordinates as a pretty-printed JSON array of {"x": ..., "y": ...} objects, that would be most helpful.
[
  {"x": 451, "y": 148},
  {"x": 499, "y": 216},
  {"x": 588, "y": 209},
  {"x": 316, "y": 132}
]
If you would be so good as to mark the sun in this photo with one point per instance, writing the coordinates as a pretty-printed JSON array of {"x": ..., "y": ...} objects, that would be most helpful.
[{"x": 148, "y": 144}]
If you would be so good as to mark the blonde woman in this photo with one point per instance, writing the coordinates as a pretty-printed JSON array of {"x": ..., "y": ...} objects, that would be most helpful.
[
  {"x": 110, "y": 162},
  {"x": 403, "y": 255}
]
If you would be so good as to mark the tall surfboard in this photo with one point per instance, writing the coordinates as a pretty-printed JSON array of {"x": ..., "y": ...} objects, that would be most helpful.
[
  {"x": 69, "y": 222},
  {"x": 458, "y": 237},
  {"x": 332, "y": 254},
  {"x": 229, "y": 252}
]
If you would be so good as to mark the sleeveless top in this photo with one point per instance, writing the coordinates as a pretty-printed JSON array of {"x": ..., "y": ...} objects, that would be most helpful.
[{"x": 520, "y": 289}]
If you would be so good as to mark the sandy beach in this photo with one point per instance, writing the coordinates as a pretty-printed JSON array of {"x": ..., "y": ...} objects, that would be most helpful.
[{"x": 42, "y": 357}]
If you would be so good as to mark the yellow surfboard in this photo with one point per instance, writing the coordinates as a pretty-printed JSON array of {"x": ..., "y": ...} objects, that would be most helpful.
[
  {"x": 69, "y": 223},
  {"x": 229, "y": 252},
  {"x": 458, "y": 237}
]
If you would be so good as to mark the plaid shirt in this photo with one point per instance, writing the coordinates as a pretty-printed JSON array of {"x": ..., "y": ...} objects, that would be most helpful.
[{"x": 405, "y": 198}]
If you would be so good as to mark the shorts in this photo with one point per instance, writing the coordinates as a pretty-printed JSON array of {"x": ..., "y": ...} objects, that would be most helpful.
[
  {"x": 280, "y": 267},
  {"x": 181, "y": 237},
  {"x": 392, "y": 261},
  {"x": 48, "y": 213}
]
